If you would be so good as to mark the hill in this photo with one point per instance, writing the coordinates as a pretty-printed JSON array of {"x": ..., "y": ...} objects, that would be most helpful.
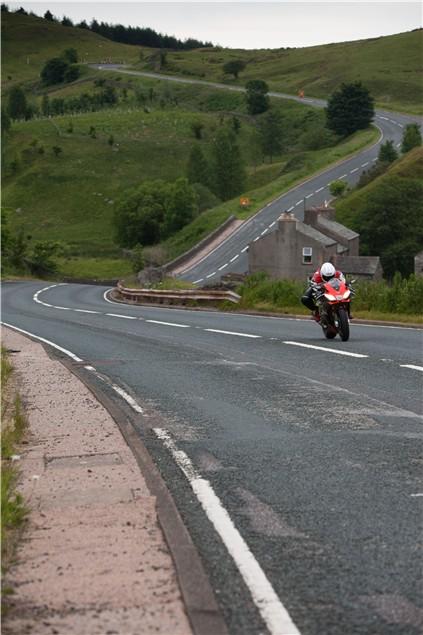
[
  {"x": 389, "y": 66},
  {"x": 388, "y": 213},
  {"x": 28, "y": 42}
]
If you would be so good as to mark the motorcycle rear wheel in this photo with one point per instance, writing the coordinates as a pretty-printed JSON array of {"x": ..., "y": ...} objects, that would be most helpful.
[{"x": 343, "y": 324}]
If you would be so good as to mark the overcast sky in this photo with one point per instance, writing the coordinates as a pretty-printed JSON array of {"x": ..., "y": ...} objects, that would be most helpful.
[{"x": 249, "y": 24}]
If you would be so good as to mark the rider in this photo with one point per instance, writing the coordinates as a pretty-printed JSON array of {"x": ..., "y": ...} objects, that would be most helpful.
[{"x": 326, "y": 272}]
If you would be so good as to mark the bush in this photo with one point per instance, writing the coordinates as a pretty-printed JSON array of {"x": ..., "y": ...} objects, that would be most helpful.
[{"x": 337, "y": 188}]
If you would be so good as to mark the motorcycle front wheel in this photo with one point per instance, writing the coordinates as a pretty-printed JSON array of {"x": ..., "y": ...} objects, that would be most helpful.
[{"x": 343, "y": 324}]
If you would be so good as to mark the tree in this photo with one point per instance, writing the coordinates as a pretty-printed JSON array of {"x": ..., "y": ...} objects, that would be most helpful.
[
  {"x": 228, "y": 173},
  {"x": 72, "y": 73},
  {"x": 49, "y": 16},
  {"x": 17, "y": 106},
  {"x": 137, "y": 257},
  {"x": 337, "y": 188},
  {"x": 349, "y": 109},
  {"x": 180, "y": 207},
  {"x": 270, "y": 134},
  {"x": 82, "y": 25},
  {"x": 256, "y": 96},
  {"x": 411, "y": 138},
  {"x": 54, "y": 71},
  {"x": 70, "y": 55},
  {"x": 198, "y": 170},
  {"x": 41, "y": 259},
  {"x": 4, "y": 8},
  {"x": 234, "y": 67},
  {"x": 391, "y": 223},
  {"x": 387, "y": 152},
  {"x": 66, "y": 21}
]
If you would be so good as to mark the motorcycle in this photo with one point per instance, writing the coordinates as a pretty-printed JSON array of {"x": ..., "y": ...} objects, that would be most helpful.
[{"x": 333, "y": 300}]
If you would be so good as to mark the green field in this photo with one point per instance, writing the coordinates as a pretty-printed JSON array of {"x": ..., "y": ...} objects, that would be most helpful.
[{"x": 390, "y": 67}]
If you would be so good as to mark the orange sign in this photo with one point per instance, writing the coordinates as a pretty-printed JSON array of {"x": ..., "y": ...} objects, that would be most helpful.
[{"x": 244, "y": 201}]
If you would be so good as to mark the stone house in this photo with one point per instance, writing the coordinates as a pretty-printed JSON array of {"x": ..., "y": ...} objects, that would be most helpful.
[{"x": 296, "y": 249}]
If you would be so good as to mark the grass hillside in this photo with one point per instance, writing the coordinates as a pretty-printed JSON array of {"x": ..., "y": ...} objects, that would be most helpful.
[
  {"x": 28, "y": 42},
  {"x": 390, "y": 66}
]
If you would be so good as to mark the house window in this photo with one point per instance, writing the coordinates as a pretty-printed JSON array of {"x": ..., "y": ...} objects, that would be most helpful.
[{"x": 307, "y": 253}]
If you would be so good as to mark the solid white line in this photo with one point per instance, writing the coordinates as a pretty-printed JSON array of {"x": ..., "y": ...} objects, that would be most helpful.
[
  {"x": 223, "y": 266},
  {"x": 233, "y": 333},
  {"x": 412, "y": 366},
  {"x": 126, "y": 397},
  {"x": 182, "y": 326},
  {"x": 42, "y": 339},
  {"x": 106, "y": 298},
  {"x": 320, "y": 189},
  {"x": 355, "y": 170},
  {"x": 327, "y": 350},
  {"x": 211, "y": 274},
  {"x": 271, "y": 608},
  {"x": 234, "y": 258},
  {"x": 125, "y": 317},
  {"x": 245, "y": 249}
]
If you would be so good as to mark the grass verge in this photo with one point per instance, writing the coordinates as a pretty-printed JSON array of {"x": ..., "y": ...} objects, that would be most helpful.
[{"x": 13, "y": 426}]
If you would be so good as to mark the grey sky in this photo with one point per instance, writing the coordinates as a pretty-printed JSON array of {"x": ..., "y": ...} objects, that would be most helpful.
[{"x": 249, "y": 24}]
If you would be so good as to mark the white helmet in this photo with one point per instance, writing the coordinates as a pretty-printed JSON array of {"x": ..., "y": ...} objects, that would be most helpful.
[{"x": 327, "y": 271}]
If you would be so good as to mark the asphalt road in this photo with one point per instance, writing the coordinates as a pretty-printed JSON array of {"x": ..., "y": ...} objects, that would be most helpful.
[
  {"x": 314, "y": 453},
  {"x": 231, "y": 255}
]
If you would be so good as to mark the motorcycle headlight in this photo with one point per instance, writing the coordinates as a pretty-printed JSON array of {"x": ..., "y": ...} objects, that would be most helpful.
[
  {"x": 330, "y": 297},
  {"x": 347, "y": 294}
]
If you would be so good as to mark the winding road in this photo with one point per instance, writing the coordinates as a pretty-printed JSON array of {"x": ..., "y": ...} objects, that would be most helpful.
[
  {"x": 230, "y": 255},
  {"x": 295, "y": 462}
]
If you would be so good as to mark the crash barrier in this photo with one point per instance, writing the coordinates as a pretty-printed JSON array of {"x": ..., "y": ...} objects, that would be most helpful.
[
  {"x": 185, "y": 257},
  {"x": 174, "y": 296}
]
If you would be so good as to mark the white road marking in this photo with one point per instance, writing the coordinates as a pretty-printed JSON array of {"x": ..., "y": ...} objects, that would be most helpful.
[
  {"x": 355, "y": 170},
  {"x": 86, "y": 311},
  {"x": 412, "y": 366},
  {"x": 107, "y": 299},
  {"x": 255, "y": 239},
  {"x": 234, "y": 258},
  {"x": 182, "y": 326},
  {"x": 233, "y": 333},
  {"x": 298, "y": 202},
  {"x": 223, "y": 266},
  {"x": 91, "y": 368},
  {"x": 42, "y": 339},
  {"x": 264, "y": 231},
  {"x": 272, "y": 224},
  {"x": 320, "y": 189},
  {"x": 417, "y": 495},
  {"x": 125, "y": 317},
  {"x": 309, "y": 195},
  {"x": 344, "y": 176},
  {"x": 271, "y": 608},
  {"x": 398, "y": 145},
  {"x": 374, "y": 159},
  {"x": 62, "y": 308},
  {"x": 211, "y": 274},
  {"x": 363, "y": 165},
  {"x": 400, "y": 125},
  {"x": 197, "y": 281},
  {"x": 290, "y": 208},
  {"x": 245, "y": 249},
  {"x": 327, "y": 350}
]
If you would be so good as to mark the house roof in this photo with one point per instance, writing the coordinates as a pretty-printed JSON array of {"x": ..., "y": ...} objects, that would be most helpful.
[
  {"x": 309, "y": 231},
  {"x": 365, "y": 265},
  {"x": 336, "y": 228}
]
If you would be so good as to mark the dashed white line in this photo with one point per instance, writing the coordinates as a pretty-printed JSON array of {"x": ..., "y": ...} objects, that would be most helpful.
[
  {"x": 264, "y": 231},
  {"x": 298, "y": 202},
  {"x": 412, "y": 366},
  {"x": 272, "y": 224},
  {"x": 400, "y": 125},
  {"x": 125, "y": 317},
  {"x": 355, "y": 170},
  {"x": 320, "y": 189},
  {"x": 309, "y": 195},
  {"x": 344, "y": 176},
  {"x": 255, "y": 239},
  {"x": 211, "y": 274},
  {"x": 234, "y": 258},
  {"x": 223, "y": 266},
  {"x": 233, "y": 333},
  {"x": 181, "y": 326},
  {"x": 271, "y": 608},
  {"x": 197, "y": 281},
  {"x": 290, "y": 208},
  {"x": 363, "y": 165},
  {"x": 245, "y": 249},
  {"x": 398, "y": 145},
  {"x": 86, "y": 311},
  {"x": 326, "y": 350}
]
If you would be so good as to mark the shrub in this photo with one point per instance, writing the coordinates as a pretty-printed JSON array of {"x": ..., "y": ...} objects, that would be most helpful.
[{"x": 337, "y": 188}]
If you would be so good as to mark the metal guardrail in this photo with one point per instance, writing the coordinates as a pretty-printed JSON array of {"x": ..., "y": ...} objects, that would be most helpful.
[{"x": 175, "y": 296}]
